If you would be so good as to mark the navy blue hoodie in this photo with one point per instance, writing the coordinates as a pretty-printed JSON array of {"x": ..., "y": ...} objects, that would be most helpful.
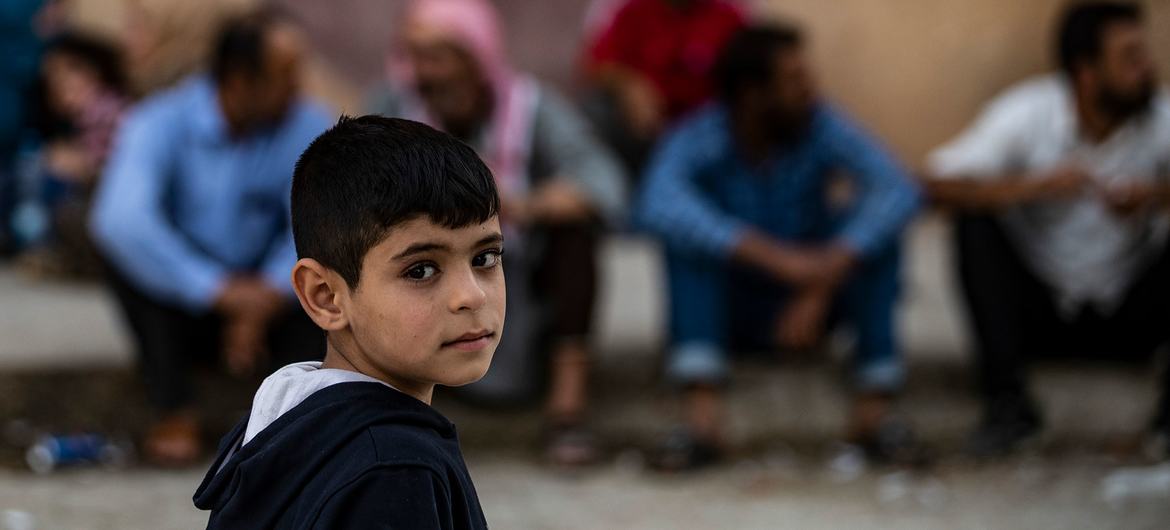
[{"x": 351, "y": 455}]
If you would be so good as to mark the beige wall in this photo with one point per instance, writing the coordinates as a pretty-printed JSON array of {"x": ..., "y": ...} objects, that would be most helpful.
[{"x": 916, "y": 71}]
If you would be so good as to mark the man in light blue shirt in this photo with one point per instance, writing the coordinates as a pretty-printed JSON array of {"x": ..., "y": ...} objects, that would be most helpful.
[
  {"x": 766, "y": 246},
  {"x": 193, "y": 217}
]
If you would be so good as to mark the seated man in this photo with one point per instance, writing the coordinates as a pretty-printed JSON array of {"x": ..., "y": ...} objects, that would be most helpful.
[
  {"x": 1062, "y": 238},
  {"x": 193, "y": 217},
  {"x": 557, "y": 185},
  {"x": 757, "y": 253}
]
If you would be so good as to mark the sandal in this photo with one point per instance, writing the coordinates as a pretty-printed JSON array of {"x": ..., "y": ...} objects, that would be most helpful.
[
  {"x": 893, "y": 442},
  {"x": 683, "y": 451},
  {"x": 570, "y": 445},
  {"x": 174, "y": 442}
]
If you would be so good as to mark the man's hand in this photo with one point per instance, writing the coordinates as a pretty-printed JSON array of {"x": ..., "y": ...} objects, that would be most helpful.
[
  {"x": 248, "y": 296},
  {"x": 641, "y": 105},
  {"x": 559, "y": 201},
  {"x": 823, "y": 267},
  {"x": 1128, "y": 199},
  {"x": 69, "y": 161},
  {"x": 244, "y": 345},
  {"x": 515, "y": 210},
  {"x": 247, "y": 304},
  {"x": 801, "y": 323},
  {"x": 1063, "y": 182}
]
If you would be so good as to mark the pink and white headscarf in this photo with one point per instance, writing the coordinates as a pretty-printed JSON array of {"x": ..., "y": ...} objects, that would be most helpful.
[{"x": 474, "y": 26}]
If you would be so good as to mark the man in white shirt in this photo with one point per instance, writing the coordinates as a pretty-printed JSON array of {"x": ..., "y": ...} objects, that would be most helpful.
[{"x": 1064, "y": 187}]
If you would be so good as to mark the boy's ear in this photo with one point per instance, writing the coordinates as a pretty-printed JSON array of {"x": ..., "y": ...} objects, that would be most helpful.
[{"x": 320, "y": 291}]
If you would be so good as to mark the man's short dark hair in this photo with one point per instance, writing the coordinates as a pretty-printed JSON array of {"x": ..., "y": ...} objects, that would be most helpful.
[
  {"x": 365, "y": 175},
  {"x": 1082, "y": 29},
  {"x": 240, "y": 46},
  {"x": 749, "y": 57}
]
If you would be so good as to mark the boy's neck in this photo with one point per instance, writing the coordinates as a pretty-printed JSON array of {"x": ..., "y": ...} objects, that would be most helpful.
[{"x": 344, "y": 358}]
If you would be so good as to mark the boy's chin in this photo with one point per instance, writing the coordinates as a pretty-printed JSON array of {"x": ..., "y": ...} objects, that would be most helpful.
[{"x": 470, "y": 374}]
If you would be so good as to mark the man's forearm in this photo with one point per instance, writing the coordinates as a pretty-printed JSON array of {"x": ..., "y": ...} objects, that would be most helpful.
[
  {"x": 823, "y": 266},
  {"x": 761, "y": 252},
  {"x": 979, "y": 194}
]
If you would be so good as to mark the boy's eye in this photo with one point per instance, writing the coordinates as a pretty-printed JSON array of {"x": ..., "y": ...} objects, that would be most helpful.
[
  {"x": 488, "y": 259},
  {"x": 421, "y": 271}
]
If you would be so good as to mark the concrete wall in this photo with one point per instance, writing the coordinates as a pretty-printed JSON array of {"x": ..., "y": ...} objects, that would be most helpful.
[{"x": 914, "y": 71}]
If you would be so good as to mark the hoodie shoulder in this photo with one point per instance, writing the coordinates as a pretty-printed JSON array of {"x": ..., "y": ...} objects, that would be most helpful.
[
  {"x": 397, "y": 496},
  {"x": 318, "y": 449}
]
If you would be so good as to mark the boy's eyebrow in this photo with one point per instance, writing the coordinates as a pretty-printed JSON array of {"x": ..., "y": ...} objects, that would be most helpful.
[
  {"x": 493, "y": 238},
  {"x": 419, "y": 248},
  {"x": 429, "y": 246}
]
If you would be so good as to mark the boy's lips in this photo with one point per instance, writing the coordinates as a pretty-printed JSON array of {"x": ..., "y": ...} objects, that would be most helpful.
[{"x": 475, "y": 340}]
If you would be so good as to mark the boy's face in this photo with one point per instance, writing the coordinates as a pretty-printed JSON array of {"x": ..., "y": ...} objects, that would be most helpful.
[
  {"x": 71, "y": 84},
  {"x": 429, "y": 307}
]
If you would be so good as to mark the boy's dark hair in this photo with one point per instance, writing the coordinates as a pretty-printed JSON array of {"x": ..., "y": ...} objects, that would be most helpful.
[
  {"x": 99, "y": 54},
  {"x": 1082, "y": 28},
  {"x": 240, "y": 45},
  {"x": 365, "y": 175},
  {"x": 749, "y": 57}
]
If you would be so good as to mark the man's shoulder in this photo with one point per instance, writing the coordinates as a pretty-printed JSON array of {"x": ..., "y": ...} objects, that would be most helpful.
[
  {"x": 708, "y": 121},
  {"x": 1042, "y": 93},
  {"x": 169, "y": 110},
  {"x": 174, "y": 99},
  {"x": 313, "y": 113}
]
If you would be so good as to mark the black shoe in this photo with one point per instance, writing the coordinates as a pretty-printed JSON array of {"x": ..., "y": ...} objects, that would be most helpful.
[
  {"x": 1005, "y": 427},
  {"x": 894, "y": 443},
  {"x": 1157, "y": 445},
  {"x": 683, "y": 451}
]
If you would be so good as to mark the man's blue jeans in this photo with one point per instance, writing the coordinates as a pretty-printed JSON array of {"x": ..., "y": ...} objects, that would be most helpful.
[{"x": 717, "y": 306}]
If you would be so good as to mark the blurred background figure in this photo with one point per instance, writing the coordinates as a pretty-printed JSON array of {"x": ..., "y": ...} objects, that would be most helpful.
[
  {"x": 1062, "y": 192},
  {"x": 24, "y": 26},
  {"x": 757, "y": 254},
  {"x": 192, "y": 215},
  {"x": 650, "y": 62},
  {"x": 558, "y": 184},
  {"x": 82, "y": 96}
]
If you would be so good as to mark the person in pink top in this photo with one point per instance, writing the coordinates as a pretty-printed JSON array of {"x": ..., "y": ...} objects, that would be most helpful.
[{"x": 559, "y": 186}]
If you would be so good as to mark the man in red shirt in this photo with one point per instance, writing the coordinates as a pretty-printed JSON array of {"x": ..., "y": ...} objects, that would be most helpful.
[{"x": 652, "y": 60}]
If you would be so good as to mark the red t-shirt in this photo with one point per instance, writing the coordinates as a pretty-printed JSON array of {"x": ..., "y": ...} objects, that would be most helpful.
[{"x": 674, "y": 48}]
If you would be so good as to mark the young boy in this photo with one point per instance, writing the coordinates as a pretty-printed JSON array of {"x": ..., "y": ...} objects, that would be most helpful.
[{"x": 399, "y": 243}]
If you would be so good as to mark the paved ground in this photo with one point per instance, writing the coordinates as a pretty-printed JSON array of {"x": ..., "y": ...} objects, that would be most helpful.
[
  {"x": 64, "y": 363},
  {"x": 519, "y": 494}
]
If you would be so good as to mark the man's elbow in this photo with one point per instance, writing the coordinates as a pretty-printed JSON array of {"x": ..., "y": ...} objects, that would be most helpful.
[{"x": 110, "y": 226}]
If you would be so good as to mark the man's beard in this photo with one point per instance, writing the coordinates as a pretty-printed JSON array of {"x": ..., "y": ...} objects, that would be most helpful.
[
  {"x": 789, "y": 127},
  {"x": 1127, "y": 106}
]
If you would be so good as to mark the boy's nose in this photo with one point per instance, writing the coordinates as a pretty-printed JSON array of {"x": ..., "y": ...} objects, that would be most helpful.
[{"x": 468, "y": 294}]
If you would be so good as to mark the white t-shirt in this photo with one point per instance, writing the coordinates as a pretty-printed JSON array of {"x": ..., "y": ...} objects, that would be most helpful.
[
  {"x": 1086, "y": 253},
  {"x": 289, "y": 386}
]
